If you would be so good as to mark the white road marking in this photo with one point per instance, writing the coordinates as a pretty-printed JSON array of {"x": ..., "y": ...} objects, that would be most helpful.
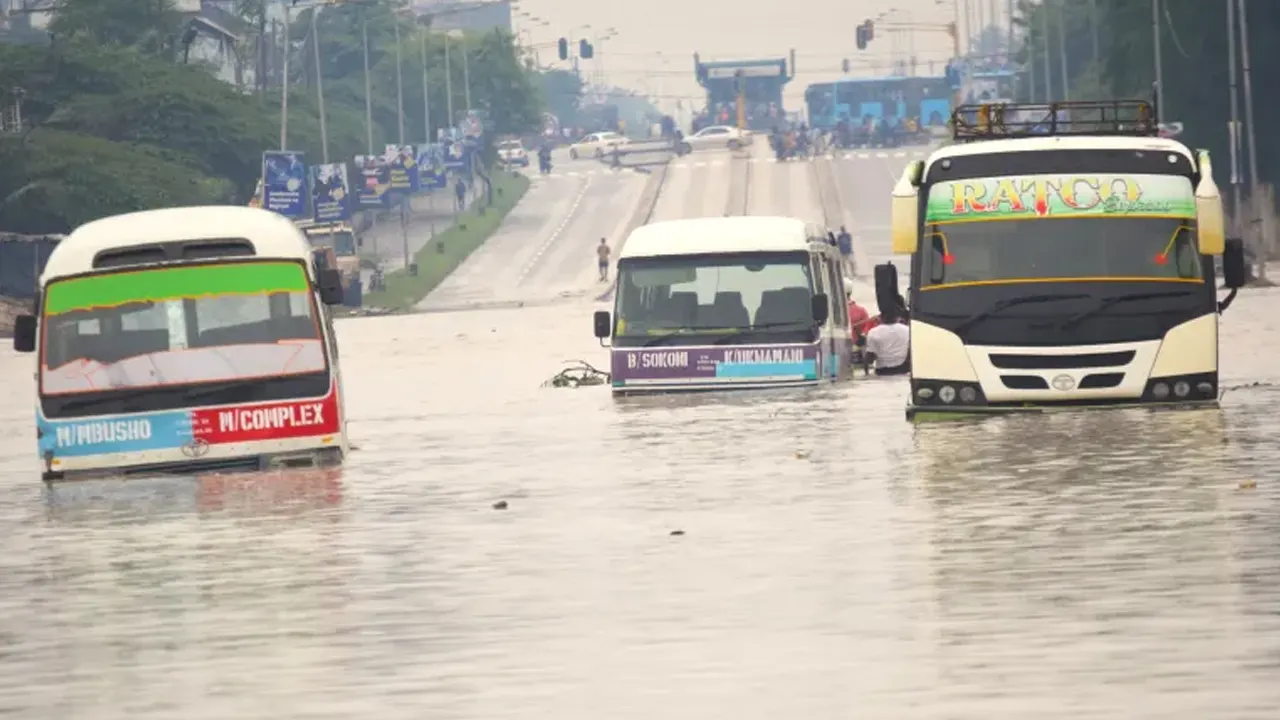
[{"x": 568, "y": 218}]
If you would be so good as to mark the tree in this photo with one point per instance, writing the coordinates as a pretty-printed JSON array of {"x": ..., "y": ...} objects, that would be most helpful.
[
  {"x": 150, "y": 25},
  {"x": 562, "y": 94},
  {"x": 1194, "y": 49}
]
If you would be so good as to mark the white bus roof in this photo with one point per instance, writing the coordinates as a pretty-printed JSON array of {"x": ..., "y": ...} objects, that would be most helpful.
[
  {"x": 272, "y": 234},
  {"x": 1061, "y": 142},
  {"x": 710, "y": 236}
]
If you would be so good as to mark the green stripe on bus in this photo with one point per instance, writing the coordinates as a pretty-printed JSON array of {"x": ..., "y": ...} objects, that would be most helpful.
[{"x": 160, "y": 284}]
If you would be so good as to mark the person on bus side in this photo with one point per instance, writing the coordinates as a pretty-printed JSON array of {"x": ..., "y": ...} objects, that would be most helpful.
[{"x": 889, "y": 346}]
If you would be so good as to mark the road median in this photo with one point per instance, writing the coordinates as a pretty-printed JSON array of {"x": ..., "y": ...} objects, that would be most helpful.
[{"x": 448, "y": 249}]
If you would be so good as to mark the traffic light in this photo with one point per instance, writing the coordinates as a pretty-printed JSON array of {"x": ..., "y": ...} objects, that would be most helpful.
[
  {"x": 862, "y": 37},
  {"x": 585, "y": 50},
  {"x": 844, "y": 65},
  {"x": 564, "y": 49}
]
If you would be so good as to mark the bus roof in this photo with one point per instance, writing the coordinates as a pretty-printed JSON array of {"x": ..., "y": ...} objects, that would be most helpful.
[
  {"x": 1070, "y": 142},
  {"x": 712, "y": 236},
  {"x": 743, "y": 63},
  {"x": 272, "y": 234}
]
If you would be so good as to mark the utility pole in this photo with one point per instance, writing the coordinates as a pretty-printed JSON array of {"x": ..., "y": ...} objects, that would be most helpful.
[
  {"x": 1254, "y": 198},
  {"x": 315, "y": 46},
  {"x": 368, "y": 90},
  {"x": 1233, "y": 126},
  {"x": 1093, "y": 26},
  {"x": 466, "y": 74}
]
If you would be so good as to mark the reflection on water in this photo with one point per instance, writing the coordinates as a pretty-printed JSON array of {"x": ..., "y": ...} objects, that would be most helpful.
[{"x": 834, "y": 559}]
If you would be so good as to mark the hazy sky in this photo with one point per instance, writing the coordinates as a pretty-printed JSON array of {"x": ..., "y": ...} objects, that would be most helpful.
[{"x": 655, "y": 41}]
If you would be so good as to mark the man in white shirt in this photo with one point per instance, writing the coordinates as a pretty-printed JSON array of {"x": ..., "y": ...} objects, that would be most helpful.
[{"x": 889, "y": 346}]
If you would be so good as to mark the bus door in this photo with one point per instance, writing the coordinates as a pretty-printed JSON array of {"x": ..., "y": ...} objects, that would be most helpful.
[{"x": 874, "y": 109}]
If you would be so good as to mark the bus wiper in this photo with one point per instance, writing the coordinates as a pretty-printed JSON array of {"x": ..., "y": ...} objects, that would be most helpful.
[
  {"x": 208, "y": 389},
  {"x": 1010, "y": 302},
  {"x": 1107, "y": 302}
]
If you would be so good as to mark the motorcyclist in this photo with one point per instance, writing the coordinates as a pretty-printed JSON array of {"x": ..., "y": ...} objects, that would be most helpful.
[{"x": 544, "y": 158}]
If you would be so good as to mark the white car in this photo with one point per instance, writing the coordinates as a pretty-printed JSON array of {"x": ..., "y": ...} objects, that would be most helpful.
[
  {"x": 597, "y": 144},
  {"x": 512, "y": 152},
  {"x": 717, "y": 136}
]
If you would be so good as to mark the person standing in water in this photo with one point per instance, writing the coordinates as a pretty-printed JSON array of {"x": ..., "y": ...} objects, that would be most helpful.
[{"x": 602, "y": 259}]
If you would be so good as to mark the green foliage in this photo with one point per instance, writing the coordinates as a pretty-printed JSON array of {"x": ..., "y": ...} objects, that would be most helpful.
[
  {"x": 449, "y": 249},
  {"x": 562, "y": 93},
  {"x": 1194, "y": 52},
  {"x": 157, "y": 132},
  {"x": 61, "y": 180}
]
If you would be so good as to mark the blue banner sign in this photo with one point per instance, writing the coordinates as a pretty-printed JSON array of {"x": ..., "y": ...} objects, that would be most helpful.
[
  {"x": 330, "y": 193},
  {"x": 284, "y": 184}
]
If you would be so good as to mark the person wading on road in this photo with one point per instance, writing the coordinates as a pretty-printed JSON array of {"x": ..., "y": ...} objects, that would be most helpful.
[
  {"x": 844, "y": 241},
  {"x": 602, "y": 259},
  {"x": 460, "y": 189},
  {"x": 889, "y": 346}
]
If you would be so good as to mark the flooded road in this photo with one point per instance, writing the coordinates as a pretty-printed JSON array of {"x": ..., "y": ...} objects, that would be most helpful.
[{"x": 833, "y": 560}]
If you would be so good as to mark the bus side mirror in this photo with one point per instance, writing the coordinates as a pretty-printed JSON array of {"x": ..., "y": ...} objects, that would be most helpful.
[
  {"x": 886, "y": 276},
  {"x": 24, "y": 333},
  {"x": 1211, "y": 225},
  {"x": 821, "y": 308},
  {"x": 603, "y": 324},
  {"x": 905, "y": 211},
  {"x": 330, "y": 286},
  {"x": 1233, "y": 266}
]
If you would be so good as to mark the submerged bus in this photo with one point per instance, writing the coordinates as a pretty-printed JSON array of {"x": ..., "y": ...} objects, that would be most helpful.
[
  {"x": 727, "y": 303},
  {"x": 185, "y": 340},
  {"x": 851, "y": 100},
  {"x": 1074, "y": 269}
]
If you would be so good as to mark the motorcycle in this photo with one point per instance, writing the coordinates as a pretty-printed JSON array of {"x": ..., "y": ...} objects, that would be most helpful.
[{"x": 544, "y": 164}]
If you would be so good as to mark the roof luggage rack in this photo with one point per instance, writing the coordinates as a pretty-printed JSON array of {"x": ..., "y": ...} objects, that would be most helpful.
[{"x": 994, "y": 121}]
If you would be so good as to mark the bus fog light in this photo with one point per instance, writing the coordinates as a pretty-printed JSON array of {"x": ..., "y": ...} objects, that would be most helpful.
[
  {"x": 947, "y": 394},
  {"x": 1182, "y": 388},
  {"x": 1160, "y": 390},
  {"x": 1205, "y": 388},
  {"x": 968, "y": 395},
  {"x": 924, "y": 393}
]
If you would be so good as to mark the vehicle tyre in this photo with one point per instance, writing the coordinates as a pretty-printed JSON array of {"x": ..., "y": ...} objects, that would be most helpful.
[
  {"x": 573, "y": 154},
  {"x": 685, "y": 148},
  {"x": 735, "y": 144},
  {"x": 599, "y": 153}
]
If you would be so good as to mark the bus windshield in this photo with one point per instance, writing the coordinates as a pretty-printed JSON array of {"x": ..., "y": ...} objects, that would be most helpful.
[
  {"x": 664, "y": 299},
  {"x": 1049, "y": 228},
  {"x": 179, "y": 325}
]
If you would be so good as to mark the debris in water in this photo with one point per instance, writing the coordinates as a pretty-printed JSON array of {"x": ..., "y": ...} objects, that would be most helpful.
[
  {"x": 500, "y": 505},
  {"x": 578, "y": 373},
  {"x": 675, "y": 533},
  {"x": 1248, "y": 484},
  {"x": 802, "y": 454}
]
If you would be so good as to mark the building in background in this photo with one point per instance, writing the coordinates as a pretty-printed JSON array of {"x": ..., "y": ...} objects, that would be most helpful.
[{"x": 470, "y": 15}]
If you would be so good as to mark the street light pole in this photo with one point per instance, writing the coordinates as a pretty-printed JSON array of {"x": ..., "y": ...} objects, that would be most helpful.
[
  {"x": 466, "y": 74},
  {"x": 448, "y": 84},
  {"x": 399, "y": 85},
  {"x": 1254, "y": 198},
  {"x": 1155, "y": 33},
  {"x": 1048, "y": 64},
  {"x": 368, "y": 90},
  {"x": 426, "y": 92},
  {"x": 1233, "y": 126},
  {"x": 284, "y": 87},
  {"x": 315, "y": 44},
  {"x": 1062, "y": 52}
]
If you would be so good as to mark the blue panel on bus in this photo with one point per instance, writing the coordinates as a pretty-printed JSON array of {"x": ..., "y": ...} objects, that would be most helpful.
[{"x": 126, "y": 433}]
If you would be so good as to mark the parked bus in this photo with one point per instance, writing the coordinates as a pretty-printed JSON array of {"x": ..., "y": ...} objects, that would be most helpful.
[
  {"x": 927, "y": 100},
  {"x": 759, "y": 82},
  {"x": 1062, "y": 261},
  {"x": 185, "y": 340}
]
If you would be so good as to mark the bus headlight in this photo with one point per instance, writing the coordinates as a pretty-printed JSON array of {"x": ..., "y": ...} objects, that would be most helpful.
[
  {"x": 946, "y": 392},
  {"x": 1198, "y": 387}
]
